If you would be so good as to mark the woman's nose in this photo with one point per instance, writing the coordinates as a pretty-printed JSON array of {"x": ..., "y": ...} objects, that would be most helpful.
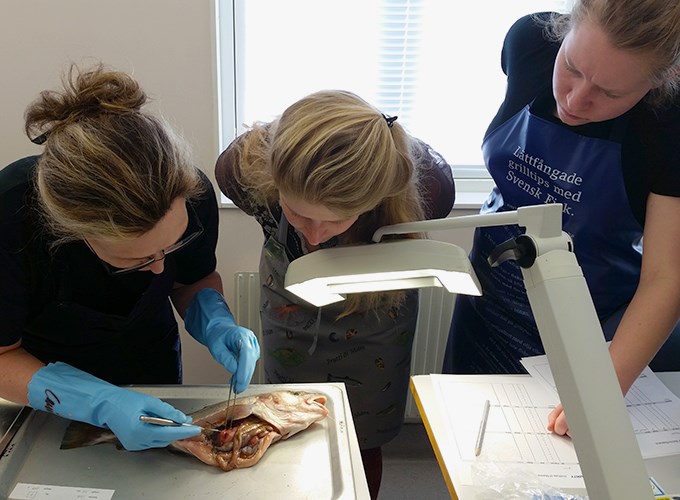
[
  {"x": 315, "y": 233},
  {"x": 578, "y": 99},
  {"x": 157, "y": 267}
]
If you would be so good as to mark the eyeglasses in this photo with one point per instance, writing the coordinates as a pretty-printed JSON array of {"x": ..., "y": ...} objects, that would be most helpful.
[{"x": 193, "y": 221}]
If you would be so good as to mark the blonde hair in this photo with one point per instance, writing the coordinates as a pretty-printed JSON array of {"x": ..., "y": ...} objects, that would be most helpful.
[
  {"x": 108, "y": 169},
  {"x": 647, "y": 27},
  {"x": 334, "y": 149}
]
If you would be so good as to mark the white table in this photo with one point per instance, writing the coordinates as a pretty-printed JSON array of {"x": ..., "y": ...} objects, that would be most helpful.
[{"x": 666, "y": 470}]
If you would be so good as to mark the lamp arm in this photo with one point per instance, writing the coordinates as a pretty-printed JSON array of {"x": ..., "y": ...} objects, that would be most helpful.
[
  {"x": 570, "y": 330},
  {"x": 541, "y": 220},
  {"x": 572, "y": 336},
  {"x": 420, "y": 226}
]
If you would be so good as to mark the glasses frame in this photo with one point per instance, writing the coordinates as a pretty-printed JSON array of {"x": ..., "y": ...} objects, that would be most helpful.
[{"x": 117, "y": 271}]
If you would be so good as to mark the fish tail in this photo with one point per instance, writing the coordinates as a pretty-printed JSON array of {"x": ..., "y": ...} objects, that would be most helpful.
[{"x": 79, "y": 434}]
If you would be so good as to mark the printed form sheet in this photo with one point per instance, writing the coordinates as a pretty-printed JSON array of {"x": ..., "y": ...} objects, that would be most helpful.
[
  {"x": 654, "y": 410},
  {"x": 515, "y": 430},
  {"x": 516, "y": 434}
]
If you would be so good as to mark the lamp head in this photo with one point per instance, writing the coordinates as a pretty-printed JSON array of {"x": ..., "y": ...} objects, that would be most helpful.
[{"x": 326, "y": 276}]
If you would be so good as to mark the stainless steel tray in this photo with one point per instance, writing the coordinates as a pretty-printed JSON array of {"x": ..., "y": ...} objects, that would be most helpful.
[
  {"x": 12, "y": 416},
  {"x": 322, "y": 462}
]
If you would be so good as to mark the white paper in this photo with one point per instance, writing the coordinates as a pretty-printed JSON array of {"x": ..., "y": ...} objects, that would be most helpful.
[
  {"x": 654, "y": 409},
  {"x": 515, "y": 433},
  {"x": 24, "y": 491}
]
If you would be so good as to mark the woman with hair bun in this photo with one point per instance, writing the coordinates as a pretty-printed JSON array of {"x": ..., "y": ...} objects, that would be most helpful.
[
  {"x": 98, "y": 231},
  {"x": 328, "y": 172}
]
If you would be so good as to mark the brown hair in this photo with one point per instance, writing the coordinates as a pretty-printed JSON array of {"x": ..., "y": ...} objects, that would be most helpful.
[{"x": 108, "y": 169}]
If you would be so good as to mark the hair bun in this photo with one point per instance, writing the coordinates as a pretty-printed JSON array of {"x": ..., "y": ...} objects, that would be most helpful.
[
  {"x": 85, "y": 94},
  {"x": 99, "y": 91}
]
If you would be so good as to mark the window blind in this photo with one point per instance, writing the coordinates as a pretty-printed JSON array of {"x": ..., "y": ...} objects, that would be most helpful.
[{"x": 433, "y": 63}]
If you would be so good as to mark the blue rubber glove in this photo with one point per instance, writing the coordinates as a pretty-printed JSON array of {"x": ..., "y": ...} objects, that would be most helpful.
[
  {"x": 68, "y": 392},
  {"x": 209, "y": 321}
]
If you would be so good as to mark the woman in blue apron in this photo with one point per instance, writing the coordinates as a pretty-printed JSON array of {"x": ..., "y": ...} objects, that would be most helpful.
[
  {"x": 330, "y": 171},
  {"x": 98, "y": 232},
  {"x": 598, "y": 134}
]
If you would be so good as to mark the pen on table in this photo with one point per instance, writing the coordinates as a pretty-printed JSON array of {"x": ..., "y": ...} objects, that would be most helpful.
[{"x": 482, "y": 427}]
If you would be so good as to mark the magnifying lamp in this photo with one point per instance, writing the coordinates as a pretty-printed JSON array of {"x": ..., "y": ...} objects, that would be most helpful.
[
  {"x": 324, "y": 277},
  {"x": 570, "y": 330}
]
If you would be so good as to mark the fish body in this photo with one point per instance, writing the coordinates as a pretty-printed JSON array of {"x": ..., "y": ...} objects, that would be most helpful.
[{"x": 258, "y": 422}]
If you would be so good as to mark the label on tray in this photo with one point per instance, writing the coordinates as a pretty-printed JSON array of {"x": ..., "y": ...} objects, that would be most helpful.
[{"x": 25, "y": 491}]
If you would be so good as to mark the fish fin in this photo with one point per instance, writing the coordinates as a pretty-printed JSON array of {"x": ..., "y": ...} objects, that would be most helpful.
[{"x": 79, "y": 434}]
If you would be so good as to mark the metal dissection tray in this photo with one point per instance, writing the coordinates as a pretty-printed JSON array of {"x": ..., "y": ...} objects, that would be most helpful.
[
  {"x": 12, "y": 416},
  {"x": 322, "y": 462}
]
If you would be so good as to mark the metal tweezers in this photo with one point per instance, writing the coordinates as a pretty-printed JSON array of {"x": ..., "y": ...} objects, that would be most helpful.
[{"x": 229, "y": 419}]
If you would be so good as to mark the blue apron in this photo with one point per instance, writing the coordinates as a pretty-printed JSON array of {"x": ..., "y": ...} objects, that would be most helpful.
[{"x": 534, "y": 161}]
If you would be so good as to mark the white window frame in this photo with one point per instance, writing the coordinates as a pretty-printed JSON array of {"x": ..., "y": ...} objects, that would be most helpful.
[{"x": 473, "y": 182}]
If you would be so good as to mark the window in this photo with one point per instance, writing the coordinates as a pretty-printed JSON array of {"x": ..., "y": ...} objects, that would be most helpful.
[{"x": 433, "y": 63}]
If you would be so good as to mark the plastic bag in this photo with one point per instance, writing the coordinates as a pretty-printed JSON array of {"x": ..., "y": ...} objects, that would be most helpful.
[{"x": 494, "y": 480}]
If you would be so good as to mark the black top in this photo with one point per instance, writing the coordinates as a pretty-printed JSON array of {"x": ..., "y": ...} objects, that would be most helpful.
[
  {"x": 650, "y": 145},
  {"x": 33, "y": 276}
]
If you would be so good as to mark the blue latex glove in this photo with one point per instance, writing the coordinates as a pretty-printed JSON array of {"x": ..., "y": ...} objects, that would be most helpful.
[
  {"x": 68, "y": 392},
  {"x": 209, "y": 321}
]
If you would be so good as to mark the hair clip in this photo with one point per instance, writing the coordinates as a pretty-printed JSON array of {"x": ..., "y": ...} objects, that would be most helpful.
[
  {"x": 390, "y": 120},
  {"x": 40, "y": 139}
]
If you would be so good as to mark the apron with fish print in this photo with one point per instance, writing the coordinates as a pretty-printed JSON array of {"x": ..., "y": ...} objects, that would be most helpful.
[
  {"x": 535, "y": 161},
  {"x": 370, "y": 353},
  {"x": 140, "y": 348}
]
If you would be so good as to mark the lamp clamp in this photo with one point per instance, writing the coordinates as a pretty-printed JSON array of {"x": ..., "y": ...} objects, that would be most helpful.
[
  {"x": 543, "y": 233},
  {"x": 521, "y": 249}
]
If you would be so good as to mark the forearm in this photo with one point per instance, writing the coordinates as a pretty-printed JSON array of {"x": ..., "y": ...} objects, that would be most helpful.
[
  {"x": 17, "y": 368},
  {"x": 655, "y": 308},
  {"x": 182, "y": 295},
  {"x": 644, "y": 328}
]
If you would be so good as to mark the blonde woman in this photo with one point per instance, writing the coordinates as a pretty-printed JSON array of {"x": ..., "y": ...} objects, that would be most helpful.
[
  {"x": 330, "y": 171},
  {"x": 591, "y": 119},
  {"x": 98, "y": 231}
]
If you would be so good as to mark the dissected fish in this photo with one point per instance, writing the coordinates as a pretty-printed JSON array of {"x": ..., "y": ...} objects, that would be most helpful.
[{"x": 257, "y": 422}]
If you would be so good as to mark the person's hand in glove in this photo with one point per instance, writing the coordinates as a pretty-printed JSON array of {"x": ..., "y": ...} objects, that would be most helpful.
[
  {"x": 209, "y": 321},
  {"x": 72, "y": 393}
]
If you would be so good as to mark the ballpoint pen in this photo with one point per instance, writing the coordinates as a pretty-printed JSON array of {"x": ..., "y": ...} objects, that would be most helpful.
[{"x": 482, "y": 428}]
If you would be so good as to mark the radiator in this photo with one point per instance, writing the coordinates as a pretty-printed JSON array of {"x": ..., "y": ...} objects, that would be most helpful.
[
  {"x": 432, "y": 332},
  {"x": 432, "y": 328}
]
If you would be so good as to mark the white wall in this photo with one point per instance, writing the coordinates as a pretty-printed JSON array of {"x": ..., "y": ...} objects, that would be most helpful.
[{"x": 169, "y": 46}]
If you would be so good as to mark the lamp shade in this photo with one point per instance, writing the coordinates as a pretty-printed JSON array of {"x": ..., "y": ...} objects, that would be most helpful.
[{"x": 326, "y": 276}]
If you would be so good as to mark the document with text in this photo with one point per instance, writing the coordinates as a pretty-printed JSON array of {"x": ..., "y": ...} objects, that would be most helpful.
[
  {"x": 654, "y": 410},
  {"x": 515, "y": 432}
]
